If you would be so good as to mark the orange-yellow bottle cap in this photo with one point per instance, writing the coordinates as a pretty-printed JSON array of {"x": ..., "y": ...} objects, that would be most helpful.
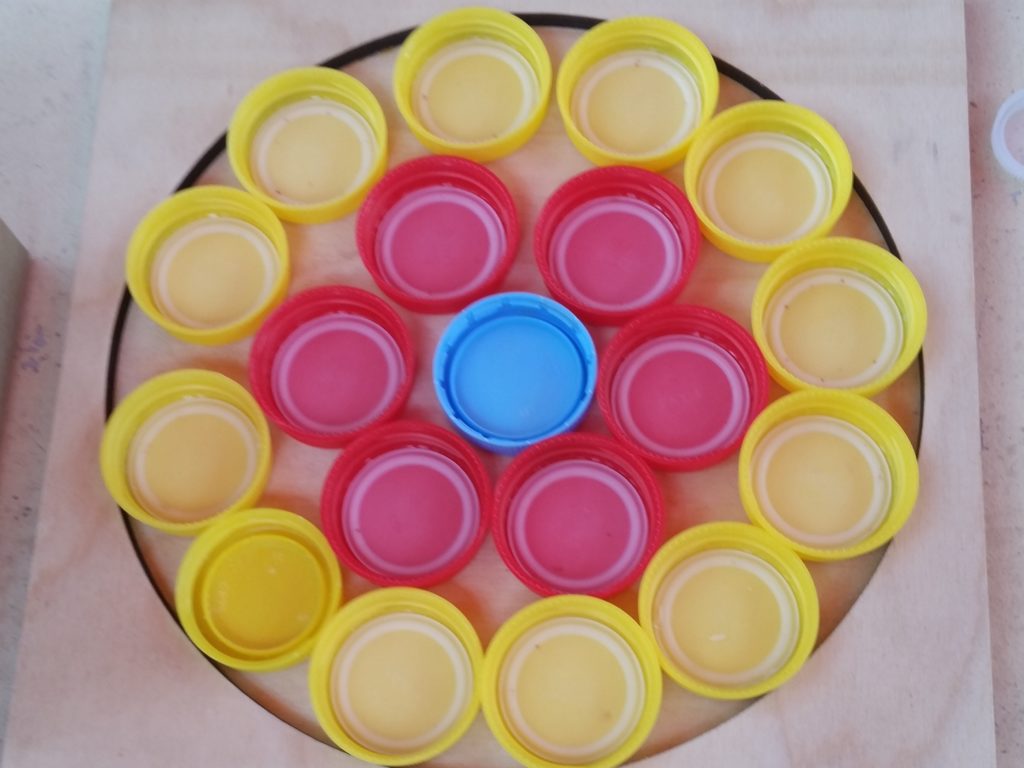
[
  {"x": 180, "y": 289},
  {"x": 329, "y": 132},
  {"x": 255, "y": 589},
  {"x": 393, "y": 676},
  {"x": 733, "y": 612},
  {"x": 570, "y": 680},
  {"x": 765, "y": 176},
  {"x": 473, "y": 82},
  {"x": 830, "y": 474},
  {"x": 870, "y": 334},
  {"x": 620, "y": 80},
  {"x": 160, "y": 463}
]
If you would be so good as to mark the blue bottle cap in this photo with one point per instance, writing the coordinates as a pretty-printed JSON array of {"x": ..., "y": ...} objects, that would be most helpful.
[{"x": 514, "y": 369}]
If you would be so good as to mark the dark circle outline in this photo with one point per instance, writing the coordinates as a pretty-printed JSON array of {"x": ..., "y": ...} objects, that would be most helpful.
[{"x": 371, "y": 48}]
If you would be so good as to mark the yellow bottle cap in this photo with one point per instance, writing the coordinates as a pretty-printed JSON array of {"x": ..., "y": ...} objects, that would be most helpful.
[
  {"x": 827, "y": 354},
  {"x": 570, "y": 680},
  {"x": 864, "y": 478},
  {"x": 707, "y": 597},
  {"x": 632, "y": 92},
  {"x": 765, "y": 176},
  {"x": 255, "y": 589},
  {"x": 473, "y": 82},
  {"x": 174, "y": 282},
  {"x": 162, "y": 428},
  {"x": 393, "y": 676},
  {"x": 324, "y": 128}
]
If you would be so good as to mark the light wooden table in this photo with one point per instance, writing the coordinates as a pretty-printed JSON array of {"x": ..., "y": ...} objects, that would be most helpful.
[{"x": 912, "y": 154}]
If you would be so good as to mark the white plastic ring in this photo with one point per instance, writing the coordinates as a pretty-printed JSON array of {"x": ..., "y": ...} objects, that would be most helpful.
[{"x": 1010, "y": 108}]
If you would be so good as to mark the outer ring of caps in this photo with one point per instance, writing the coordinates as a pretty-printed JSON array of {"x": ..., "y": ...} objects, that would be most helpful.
[
  {"x": 358, "y": 612},
  {"x": 877, "y": 264},
  {"x": 638, "y": 32},
  {"x": 212, "y": 544},
  {"x": 278, "y": 91},
  {"x": 183, "y": 208},
  {"x": 155, "y": 394},
  {"x": 753, "y": 540},
  {"x": 868, "y": 417},
  {"x": 569, "y": 606},
  {"x": 451, "y": 27},
  {"x": 781, "y": 117}
]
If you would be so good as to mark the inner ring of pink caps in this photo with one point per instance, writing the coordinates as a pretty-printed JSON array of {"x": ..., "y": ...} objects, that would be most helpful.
[
  {"x": 578, "y": 525},
  {"x": 440, "y": 242},
  {"x": 616, "y": 254},
  {"x": 681, "y": 396},
  {"x": 409, "y": 512},
  {"x": 336, "y": 373}
]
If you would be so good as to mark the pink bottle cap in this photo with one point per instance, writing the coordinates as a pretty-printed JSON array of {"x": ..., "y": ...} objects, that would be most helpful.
[
  {"x": 681, "y": 384},
  {"x": 407, "y": 504},
  {"x": 613, "y": 242},
  {"x": 438, "y": 232},
  {"x": 331, "y": 362},
  {"x": 577, "y": 513}
]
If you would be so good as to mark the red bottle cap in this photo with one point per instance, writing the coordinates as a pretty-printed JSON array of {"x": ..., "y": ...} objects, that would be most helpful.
[
  {"x": 330, "y": 363},
  {"x": 437, "y": 233},
  {"x": 681, "y": 384},
  {"x": 577, "y": 513},
  {"x": 407, "y": 504},
  {"x": 613, "y": 242}
]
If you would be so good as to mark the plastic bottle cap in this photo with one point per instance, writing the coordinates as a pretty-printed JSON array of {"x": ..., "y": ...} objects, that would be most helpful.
[
  {"x": 838, "y": 313},
  {"x": 350, "y": 351},
  {"x": 513, "y": 369},
  {"x": 734, "y": 180},
  {"x": 592, "y": 92},
  {"x": 207, "y": 440},
  {"x": 747, "y": 572},
  {"x": 309, "y": 143},
  {"x": 185, "y": 448},
  {"x": 765, "y": 176},
  {"x": 680, "y": 384},
  {"x": 362, "y": 650},
  {"x": 829, "y": 474},
  {"x": 407, "y": 503},
  {"x": 1008, "y": 135},
  {"x": 849, "y": 459},
  {"x": 331, "y": 362},
  {"x": 254, "y": 589},
  {"x": 857, "y": 295},
  {"x": 632, "y": 91},
  {"x": 577, "y": 513},
  {"x": 319, "y": 178},
  {"x": 539, "y": 737},
  {"x": 177, "y": 262},
  {"x": 733, "y": 613},
  {"x": 456, "y": 60},
  {"x": 208, "y": 264},
  {"x": 613, "y": 242},
  {"x": 473, "y": 82},
  {"x": 570, "y": 680},
  {"x": 438, "y": 232},
  {"x": 393, "y": 676},
  {"x": 703, "y": 424}
]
